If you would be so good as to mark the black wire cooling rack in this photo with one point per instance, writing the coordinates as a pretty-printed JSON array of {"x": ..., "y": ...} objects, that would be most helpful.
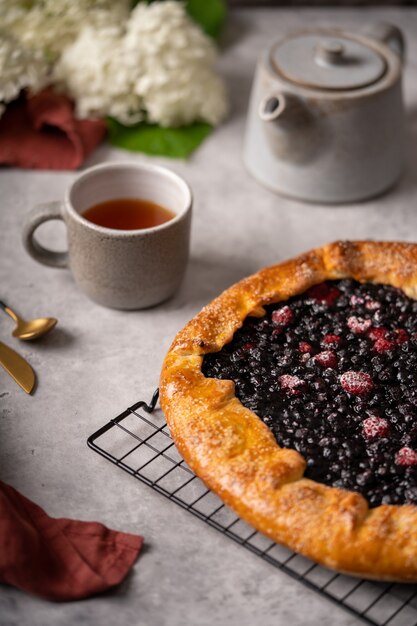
[{"x": 138, "y": 441}]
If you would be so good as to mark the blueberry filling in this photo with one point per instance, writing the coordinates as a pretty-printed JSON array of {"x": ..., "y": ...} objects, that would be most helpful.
[{"x": 333, "y": 374}]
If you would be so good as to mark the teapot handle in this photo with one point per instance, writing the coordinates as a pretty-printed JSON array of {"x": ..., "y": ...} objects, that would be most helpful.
[{"x": 389, "y": 34}]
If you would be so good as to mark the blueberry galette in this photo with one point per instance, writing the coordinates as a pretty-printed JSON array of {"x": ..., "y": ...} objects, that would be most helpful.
[{"x": 293, "y": 396}]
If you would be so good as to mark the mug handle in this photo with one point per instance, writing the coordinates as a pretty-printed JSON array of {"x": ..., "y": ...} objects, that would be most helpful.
[{"x": 37, "y": 216}]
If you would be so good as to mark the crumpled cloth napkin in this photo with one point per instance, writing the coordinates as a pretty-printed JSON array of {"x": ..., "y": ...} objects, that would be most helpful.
[
  {"x": 59, "y": 559},
  {"x": 41, "y": 132}
]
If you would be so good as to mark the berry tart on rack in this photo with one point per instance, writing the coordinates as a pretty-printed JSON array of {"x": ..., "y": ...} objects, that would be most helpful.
[{"x": 293, "y": 396}]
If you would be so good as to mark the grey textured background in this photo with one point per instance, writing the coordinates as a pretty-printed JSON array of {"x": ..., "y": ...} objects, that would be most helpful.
[{"x": 99, "y": 361}]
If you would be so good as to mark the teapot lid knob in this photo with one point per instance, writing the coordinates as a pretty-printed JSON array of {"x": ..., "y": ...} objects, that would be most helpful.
[{"x": 329, "y": 52}]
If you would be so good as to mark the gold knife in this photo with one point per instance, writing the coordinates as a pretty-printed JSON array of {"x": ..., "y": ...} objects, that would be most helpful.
[{"x": 17, "y": 367}]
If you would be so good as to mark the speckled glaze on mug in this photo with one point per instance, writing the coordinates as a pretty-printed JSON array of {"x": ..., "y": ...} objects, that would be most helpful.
[{"x": 122, "y": 269}]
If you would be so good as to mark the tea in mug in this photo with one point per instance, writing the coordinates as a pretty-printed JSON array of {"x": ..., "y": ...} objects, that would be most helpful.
[{"x": 128, "y": 214}]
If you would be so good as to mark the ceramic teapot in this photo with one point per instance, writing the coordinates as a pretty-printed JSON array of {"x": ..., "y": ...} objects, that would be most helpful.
[{"x": 326, "y": 116}]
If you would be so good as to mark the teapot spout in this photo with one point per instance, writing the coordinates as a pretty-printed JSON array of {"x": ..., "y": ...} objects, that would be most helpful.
[
  {"x": 293, "y": 132},
  {"x": 272, "y": 107}
]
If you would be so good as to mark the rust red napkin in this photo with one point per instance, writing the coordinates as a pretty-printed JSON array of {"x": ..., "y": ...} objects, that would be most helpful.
[
  {"x": 59, "y": 559},
  {"x": 41, "y": 132}
]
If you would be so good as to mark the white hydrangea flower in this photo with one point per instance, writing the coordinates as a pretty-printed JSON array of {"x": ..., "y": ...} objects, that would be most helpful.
[
  {"x": 52, "y": 24},
  {"x": 19, "y": 68},
  {"x": 92, "y": 72},
  {"x": 174, "y": 65},
  {"x": 161, "y": 67}
]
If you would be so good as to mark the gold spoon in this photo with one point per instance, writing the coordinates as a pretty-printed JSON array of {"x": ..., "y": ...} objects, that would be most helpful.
[{"x": 31, "y": 329}]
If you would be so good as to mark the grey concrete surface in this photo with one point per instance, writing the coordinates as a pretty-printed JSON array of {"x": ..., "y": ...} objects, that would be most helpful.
[{"x": 98, "y": 361}]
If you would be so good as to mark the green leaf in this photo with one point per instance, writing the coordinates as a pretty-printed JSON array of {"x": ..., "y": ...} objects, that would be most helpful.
[
  {"x": 153, "y": 139},
  {"x": 209, "y": 14}
]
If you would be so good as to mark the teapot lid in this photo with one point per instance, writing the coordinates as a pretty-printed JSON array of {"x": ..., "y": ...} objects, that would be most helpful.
[{"x": 327, "y": 61}]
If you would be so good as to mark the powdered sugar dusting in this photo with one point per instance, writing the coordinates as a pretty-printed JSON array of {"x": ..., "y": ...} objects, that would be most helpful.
[
  {"x": 375, "y": 426},
  {"x": 358, "y": 325},
  {"x": 356, "y": 383}
]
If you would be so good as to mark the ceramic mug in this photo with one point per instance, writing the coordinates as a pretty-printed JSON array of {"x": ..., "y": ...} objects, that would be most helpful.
[{"x": 122, "y": 269}]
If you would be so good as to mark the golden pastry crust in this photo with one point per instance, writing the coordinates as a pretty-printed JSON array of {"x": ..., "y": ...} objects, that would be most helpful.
[{"x": 237, "y": 456}]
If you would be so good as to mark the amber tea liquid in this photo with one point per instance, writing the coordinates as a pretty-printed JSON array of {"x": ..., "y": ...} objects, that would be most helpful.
[{"x": 128, "y": 214}]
